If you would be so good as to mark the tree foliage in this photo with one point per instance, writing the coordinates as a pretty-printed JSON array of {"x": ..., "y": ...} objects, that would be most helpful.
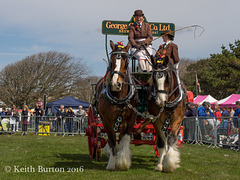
[
  {"x": 218, "y": 75},
  {"x": 50, "y": 73}
]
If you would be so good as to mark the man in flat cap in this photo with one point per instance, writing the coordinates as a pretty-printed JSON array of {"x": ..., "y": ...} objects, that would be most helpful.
[{"x": 140, "y": 35}]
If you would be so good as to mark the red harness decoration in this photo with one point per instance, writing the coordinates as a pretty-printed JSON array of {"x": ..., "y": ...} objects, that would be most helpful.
[{"x": 105, "y": 77}]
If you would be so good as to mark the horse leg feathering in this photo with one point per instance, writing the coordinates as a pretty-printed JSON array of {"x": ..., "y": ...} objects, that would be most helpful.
[{"x": 124, "y": 153}]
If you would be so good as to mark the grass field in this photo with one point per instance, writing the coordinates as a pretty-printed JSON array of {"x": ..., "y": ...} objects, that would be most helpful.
[{"x": 35, "y": 153}]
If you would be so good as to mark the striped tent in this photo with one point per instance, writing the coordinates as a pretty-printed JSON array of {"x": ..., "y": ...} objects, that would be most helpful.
[
  {"x": 201, "y": 98},
  {"x": 229, "y": 101}
]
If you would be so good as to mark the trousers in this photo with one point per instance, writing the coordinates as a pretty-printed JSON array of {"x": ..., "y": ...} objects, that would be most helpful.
[{"x": 143, "y": 57}]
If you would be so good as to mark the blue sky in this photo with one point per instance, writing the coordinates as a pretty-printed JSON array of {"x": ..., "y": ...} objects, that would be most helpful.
[{"x": 72, "y": 26}]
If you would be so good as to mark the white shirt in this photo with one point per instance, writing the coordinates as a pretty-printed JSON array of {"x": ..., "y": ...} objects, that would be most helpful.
[
  {"x": 140, "y": 25},
  {"x": 168, "y": 42},
  {"x": 165, "y": 44}
]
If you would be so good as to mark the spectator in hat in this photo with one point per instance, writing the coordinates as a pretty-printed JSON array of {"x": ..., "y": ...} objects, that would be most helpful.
[
  {"x": 140, "y": 37},
  {"x": 206, "y": 123},
  {"x": 192, "y": 110},
  {"x": 205, "y": 110},
  {"x": 80, "y": 122}
]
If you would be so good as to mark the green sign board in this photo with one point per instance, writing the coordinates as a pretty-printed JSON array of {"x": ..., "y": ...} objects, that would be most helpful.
[{"x": 122, "y": 27}]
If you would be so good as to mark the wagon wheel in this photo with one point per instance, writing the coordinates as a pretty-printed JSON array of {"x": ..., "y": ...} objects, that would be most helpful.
[
  {"x": 94, "y": 136},
  {"x": 155, "y": 146},
  {"x": 99, "y": 148}
]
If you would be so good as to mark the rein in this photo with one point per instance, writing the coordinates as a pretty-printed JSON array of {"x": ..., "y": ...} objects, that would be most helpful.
[{"x": 173, "y": 104}]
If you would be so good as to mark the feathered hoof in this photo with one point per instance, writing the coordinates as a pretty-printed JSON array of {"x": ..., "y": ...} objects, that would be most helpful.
[
  {"x": 124, "y": 165},
  {"x": 171, "y": 160},
  {"x": 111, "y": 167}
]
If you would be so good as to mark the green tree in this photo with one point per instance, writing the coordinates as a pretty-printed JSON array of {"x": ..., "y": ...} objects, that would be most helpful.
[{"x": 218, "y": 75}]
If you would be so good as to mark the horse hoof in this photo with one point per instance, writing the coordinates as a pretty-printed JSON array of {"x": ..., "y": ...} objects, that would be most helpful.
[
  {"x": 124, "y": 167},
  {"x": 159, "y": 167},
  {"x": 110, "y": 169},
  {"x": 171, "y": 160}
]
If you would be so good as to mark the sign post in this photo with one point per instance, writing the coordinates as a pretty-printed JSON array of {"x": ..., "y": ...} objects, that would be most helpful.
[{"x": 122, "y": 28}]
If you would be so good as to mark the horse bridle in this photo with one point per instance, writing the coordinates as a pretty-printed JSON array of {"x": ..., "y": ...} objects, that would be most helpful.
[
  {"x": 159, "y": 73},
  {"x": 132, "y": 91},
  {"x": 119, "y": 56},
  {"x": 173, "y": 104}
]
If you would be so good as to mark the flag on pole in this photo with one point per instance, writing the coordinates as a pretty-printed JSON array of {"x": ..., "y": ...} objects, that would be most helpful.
[{"x": 198, "y": 84}]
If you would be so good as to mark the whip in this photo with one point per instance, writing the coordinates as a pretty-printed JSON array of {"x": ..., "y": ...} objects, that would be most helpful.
[{"x": 193, "y": 26}]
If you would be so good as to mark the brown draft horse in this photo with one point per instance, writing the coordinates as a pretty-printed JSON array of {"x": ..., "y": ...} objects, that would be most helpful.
[
  {"x": 167, "y": 102},
  {"x": 113, "y": 93}
]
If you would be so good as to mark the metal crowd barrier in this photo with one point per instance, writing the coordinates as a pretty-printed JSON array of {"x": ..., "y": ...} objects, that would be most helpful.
[
  {"x": 43, "y": 125},
  {"x": 208, "y": 130},
  {"x": 198, "y": 130}
]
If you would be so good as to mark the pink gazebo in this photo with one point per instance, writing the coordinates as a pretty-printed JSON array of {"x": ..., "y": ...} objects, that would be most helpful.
[
  {"x": 229, "y": 101},
  {"x": 201, "y": 98}
]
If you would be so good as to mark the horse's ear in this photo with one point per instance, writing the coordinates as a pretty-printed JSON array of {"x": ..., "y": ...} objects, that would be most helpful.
[
  {"x": 112, "y": 45},
  {"x": 128, "y": 46}
]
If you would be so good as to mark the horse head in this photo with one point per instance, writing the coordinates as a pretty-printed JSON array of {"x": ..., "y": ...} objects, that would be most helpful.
[
  {"x": 118, "y": 65},
  {"x": 160, "y": 77}
]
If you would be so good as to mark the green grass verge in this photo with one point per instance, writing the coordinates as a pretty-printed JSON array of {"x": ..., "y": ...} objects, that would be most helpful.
[{"x": 30, "y": 152}]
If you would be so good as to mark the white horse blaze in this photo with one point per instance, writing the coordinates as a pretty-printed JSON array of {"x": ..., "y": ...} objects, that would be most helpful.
[
  {"x": 117, "y": 68},
  {"x": 161, "y": 97}
]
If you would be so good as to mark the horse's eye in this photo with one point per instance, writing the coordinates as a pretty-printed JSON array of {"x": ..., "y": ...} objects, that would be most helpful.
[
  {"x": 118, "y": 56},
  {"x": 159, "y": 74}
]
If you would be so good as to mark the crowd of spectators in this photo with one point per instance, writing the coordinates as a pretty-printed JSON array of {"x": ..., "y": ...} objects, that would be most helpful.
[
  {"x": 69, "y": 121},
  {"x": 211, "y": 117},
  {"x": 64, "y": 121}
]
